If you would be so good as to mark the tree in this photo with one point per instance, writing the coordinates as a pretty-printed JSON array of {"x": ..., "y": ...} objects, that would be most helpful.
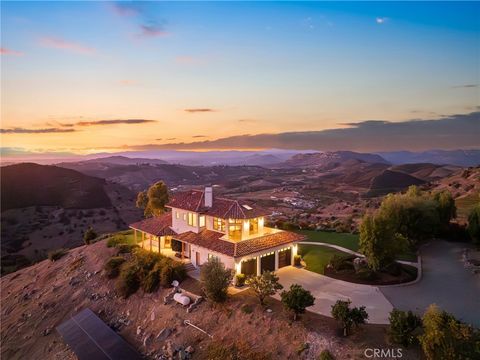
[
  {"x": 297, "y": 299},
  {"x": 444, "y": 337},
  {"x": 349, "y": 317},
  {"x": 153, "y": 200},
  {"x": 403, "y": 327},
  {"x": 264, "y": 285},
  {"x": 215, "y": 280},
  {"x": 89, "y": 235},
  {"x": 474, "y": 224},
  {"x": 446, "y": 208},
  {"x": 378, "y": 242}
]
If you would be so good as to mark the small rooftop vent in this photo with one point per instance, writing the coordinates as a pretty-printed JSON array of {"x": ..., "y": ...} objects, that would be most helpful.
[{"x": 247, "y": 207}]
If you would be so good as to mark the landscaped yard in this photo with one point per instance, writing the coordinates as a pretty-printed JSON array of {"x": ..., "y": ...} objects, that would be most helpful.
[
  {"x": 317, "y": 257},
  {"x": 346, "y": 240}
]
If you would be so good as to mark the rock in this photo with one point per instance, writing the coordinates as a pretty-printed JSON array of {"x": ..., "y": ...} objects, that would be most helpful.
[
  {"x": 152, "y": 316},
  {"x": 181, "y": 355},
  {"x": 164, "y": 334},
  {"x": 139, "y": 330},
  {"x": 47, "y": 331},
  {"x": 169, "y": 350},
  {"x": 146, "y": 340},
  {"x": 269, "y": 310},
  {"x": 190, "y": 349}
]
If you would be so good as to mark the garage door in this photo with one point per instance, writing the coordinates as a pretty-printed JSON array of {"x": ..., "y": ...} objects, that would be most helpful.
[
  {"x": 284, "y": 257},
  {"x": 249, "y": 267},
  {"x": 268, "y": 262}
]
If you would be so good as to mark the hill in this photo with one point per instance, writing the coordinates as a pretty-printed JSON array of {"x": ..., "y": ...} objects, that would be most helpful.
[
  {"x": 391, "y": 181},
  {"x": 331, "y": 159},
  {"x": 30, "y": 184},
  {"x": 123, "y": 160},
  {"x": 453, "y": 157}
]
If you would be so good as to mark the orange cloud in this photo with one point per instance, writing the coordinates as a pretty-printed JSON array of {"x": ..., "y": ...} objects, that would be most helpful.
[
  {"x": 199, "y": 110},
  {"x": 62, "y": 44},
  {"x": 5, "y": 51}
]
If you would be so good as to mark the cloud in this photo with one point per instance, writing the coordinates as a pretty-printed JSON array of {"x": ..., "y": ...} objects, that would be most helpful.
[
  {"x": 199, "y": 136},
  {"x": 148, "y": 25},
  {"x": 19, "y": 130},
  {"x": 111, "y": 122},
  {"x": 465, "y": 86},
  {"x": 247, "y": 120},
  {"x": 171, "y": 139},
  {"x": 62, "y": 44},
  {"x": 199, "y": 110},
  {"x": 152, "y": 30},
  {"x": 5, "y": 51},
  {"x": 452, "y": 132},
  {"x": 381, "y": 20}
]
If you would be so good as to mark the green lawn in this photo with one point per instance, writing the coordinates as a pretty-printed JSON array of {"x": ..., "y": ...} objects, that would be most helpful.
[
  {"x": 317, "y": 257},
  {"x": 346, "y": 240},
  {"x": 125, "y": 237}
]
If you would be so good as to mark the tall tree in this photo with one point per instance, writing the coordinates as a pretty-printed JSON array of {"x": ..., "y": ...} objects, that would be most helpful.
[
  {"x": 378, "y": 241},
  {"x": 215, "y": 279},
  {"x": 264, "y": 285},
  {"x": 153, "y": 200},
  {"x": 474, "y": 224},
  {"x": 349, "y": 317},
  {"x": 446, "y": 208}
]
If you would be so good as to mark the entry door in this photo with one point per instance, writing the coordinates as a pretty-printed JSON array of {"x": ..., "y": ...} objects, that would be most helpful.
[{"x": 197, "y": 258}]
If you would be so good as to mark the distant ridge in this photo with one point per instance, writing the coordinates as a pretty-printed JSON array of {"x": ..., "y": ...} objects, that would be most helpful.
[{"x": 441, "y": 157}]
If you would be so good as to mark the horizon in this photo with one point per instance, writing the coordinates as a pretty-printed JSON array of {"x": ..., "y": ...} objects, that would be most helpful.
[{"x": 141, "y": 76}]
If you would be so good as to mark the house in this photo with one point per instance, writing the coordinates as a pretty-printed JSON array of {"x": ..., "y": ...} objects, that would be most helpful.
[{"x": 201, "y": 225}]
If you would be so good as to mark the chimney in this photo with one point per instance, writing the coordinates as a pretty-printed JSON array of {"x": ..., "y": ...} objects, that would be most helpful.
[{"x": 208, "y": 196}]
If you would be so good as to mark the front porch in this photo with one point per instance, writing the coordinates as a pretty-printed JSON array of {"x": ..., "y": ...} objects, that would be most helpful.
[{"x": 164, "y": 245}]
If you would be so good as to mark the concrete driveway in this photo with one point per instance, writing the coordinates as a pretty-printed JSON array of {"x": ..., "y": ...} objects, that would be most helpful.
[
  {"x": 445, "y": 282},
  {"x": 327, "y": 291}
]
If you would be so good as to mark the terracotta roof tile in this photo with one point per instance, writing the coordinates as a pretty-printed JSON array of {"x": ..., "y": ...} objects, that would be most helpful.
[
  {"x": 211, "y": 240},
  {"x": 157, "y": 225},
  {"x": 224, "y": 208}
]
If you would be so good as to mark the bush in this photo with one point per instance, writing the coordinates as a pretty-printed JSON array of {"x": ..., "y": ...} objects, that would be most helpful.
[
  {"x": 394, "y": 269},
  {"x": 128, "y": 282},
  {"x": 247, "y": 309},
  {"x": 297, "y": 260},
  {"x": 215, "y": 280},
  {"x": 264, "y": 285},
  {"x": 152, "y": 280},
  {"x": 115, "y": 240},
  {"x": 366, "y": 274},
  {"x": 240, "y": 279},
  {"x": 112, "y": 267},
  {"x": 297, "y": 299},
  {"x": 342, "y": 262},
  {"x": 403, "y": 326},
  {"x": 349, "y": 317},
  {"x": 89, "y": 235},
  {"x": 125, "y": 248},
  {"x": 55, "y": 255},
  {"x": 325, "y": 355}
]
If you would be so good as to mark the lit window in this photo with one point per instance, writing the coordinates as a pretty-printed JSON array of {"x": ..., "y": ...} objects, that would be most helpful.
[
  {"x": 219, "y": 224},
  {"x": 253, "y": 226},
  {"x": 184, "y": 217},
  {"x": 202, "y": 221},
  {"x": 192, "y": 219},
  {"x": 177, "y": 214},
  {"x": 235, "y": 229}
]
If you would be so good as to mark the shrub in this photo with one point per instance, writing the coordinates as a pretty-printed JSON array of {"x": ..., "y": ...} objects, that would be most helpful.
[
  {"x": 89, "y": 235},
  {"x": 112, "y": 266},
  {"x": 325, "y": 355},
  {"x": 297, "y": 260},
  {"x": 445, "y": 337},
  {"x": 125, "y": 248},
  {"x": 264, "y": 285},
  {"x": 366, "y": 274},
  {"x": 152, "y": 280},
  {"x": 55, "y": 255},
  {"x": 394, "y": 269},
  {"x": 115, "y": 240},
  {"x": 128, "y": 282},
  {"x": 297, "y": 299},
  {"x": 403, "y": 326},
  {"x": 240, "y": 279},
  {"x": 349, "y": 317},
  {"x": 342, "y": 262},
  {"x": 215, "y": 280}
]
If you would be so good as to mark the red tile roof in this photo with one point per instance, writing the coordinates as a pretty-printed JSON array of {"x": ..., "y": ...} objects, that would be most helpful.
[
  {"x": 224, "y": 208},
  {"x": 157, "y": 225},
  {"x": 211, "y": 240}
]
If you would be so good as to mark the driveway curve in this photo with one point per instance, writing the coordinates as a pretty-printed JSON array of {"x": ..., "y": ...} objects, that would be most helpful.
[
  {"x": 444, "y": 282},
  {"x": 327, "y": 291}
]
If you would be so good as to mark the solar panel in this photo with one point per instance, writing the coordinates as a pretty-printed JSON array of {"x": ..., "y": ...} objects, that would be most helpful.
[{"x": 91, "y": 339}]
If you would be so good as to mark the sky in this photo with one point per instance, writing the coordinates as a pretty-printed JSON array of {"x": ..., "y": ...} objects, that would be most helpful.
[{"x": 87, "y": 77}]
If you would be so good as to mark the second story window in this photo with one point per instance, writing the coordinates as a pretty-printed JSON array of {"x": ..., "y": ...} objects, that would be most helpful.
[
  {"x": 177, "y": 214},
  {"x": 192, "y": 219},
  {"x": 253, "y": 226},
  {"x": 201, "y": 221},
  {"x": 219, "y": 224},
  {"x": 235, "y": 229}
]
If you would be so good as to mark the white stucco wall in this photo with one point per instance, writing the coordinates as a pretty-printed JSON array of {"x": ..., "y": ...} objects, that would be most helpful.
[
  {"x": 226, "y": 260},
  {"x": 180, "y": 225}
]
